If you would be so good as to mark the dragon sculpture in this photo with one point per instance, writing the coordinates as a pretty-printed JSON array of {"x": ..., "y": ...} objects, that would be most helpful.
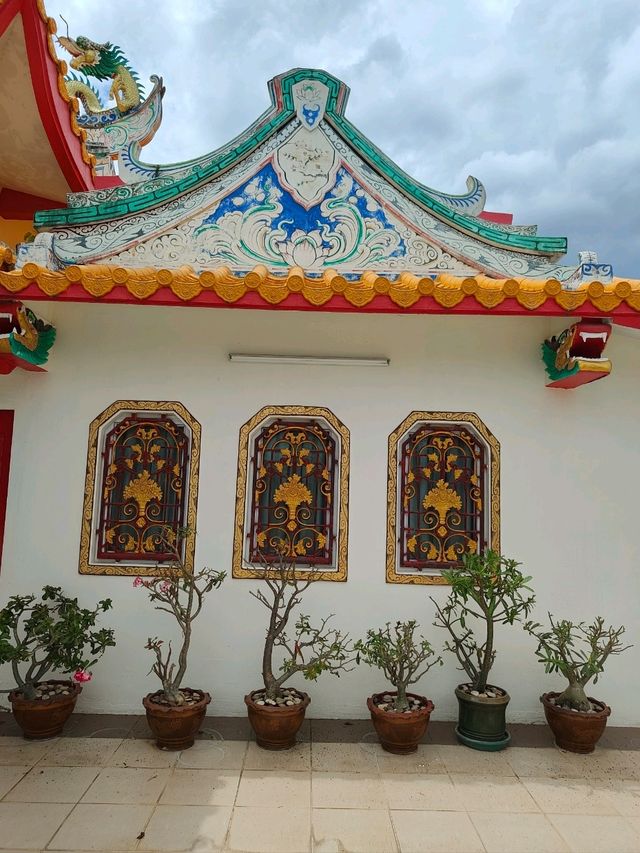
[
  {"x": 25, "y": 340},
  {"x": 102, "y": 62},
  {"x": 575, "y": 357}
]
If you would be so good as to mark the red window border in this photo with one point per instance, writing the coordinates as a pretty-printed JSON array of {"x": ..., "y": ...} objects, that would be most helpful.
[{"x": 6, "y": 439}]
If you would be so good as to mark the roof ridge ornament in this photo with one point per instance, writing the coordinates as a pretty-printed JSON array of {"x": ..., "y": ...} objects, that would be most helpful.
[
  {"x": 310, "y": 100},
  {"x": 588, "y": 269}
]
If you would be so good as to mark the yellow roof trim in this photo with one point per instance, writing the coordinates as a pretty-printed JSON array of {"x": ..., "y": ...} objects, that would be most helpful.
[
  {"x": 447, "y": 290},
  {"x": 74, "y": 104}
]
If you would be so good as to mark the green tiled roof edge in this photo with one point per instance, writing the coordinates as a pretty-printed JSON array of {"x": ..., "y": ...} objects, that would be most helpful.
[{"x": 474, "y": 227}]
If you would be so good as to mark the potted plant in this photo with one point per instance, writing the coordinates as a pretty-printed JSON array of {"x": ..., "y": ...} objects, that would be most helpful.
[
  {"x": 400, "y": 718},
  {"x": 175, "y": 713},
  {"x": 491, "y": 589},
  {"x": 578, "y": 651},
  {"x": 53, "y": 634},
  {"x": 276, "y": 713}
]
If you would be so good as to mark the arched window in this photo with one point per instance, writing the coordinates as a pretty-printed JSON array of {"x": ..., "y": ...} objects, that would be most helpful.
[
  {"x": 443, "y": 499},
  {"x": 141, "y": 488},
  {"x": 292, "y": 491}
]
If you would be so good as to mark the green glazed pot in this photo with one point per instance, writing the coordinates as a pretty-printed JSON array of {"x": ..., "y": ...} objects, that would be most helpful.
[{"x": 481, "y": 721}]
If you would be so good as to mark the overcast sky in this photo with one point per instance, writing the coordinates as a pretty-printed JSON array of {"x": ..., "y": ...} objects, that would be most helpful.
[{"x": 539, "y": 99}]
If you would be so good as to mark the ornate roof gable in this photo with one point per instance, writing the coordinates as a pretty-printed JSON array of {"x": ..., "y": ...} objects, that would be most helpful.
[{"x": 301, "y": 187}]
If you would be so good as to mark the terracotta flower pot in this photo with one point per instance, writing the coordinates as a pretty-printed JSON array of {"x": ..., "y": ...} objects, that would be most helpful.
[
  {"x": 399, "y": 732},
  {"x": 175, "y": 726},
  {"x": 43, "y": 718},
  {"x": 482, "y": 720},
  {"x": 575, "y": 731},
  {"x": 276, "y": 726}
]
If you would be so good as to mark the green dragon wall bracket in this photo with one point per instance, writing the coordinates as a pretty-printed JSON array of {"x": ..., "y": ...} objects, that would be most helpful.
[{"x": 25, "y": 340}]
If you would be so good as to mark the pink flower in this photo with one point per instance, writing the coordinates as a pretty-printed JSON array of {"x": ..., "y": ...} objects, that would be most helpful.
[
  {"x": 138, "y": 582},
  {"x": 165, "y": 586},
  {"x": 81, "y": 676}
]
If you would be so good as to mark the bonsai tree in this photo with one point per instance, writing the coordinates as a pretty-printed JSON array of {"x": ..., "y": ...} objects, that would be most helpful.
[
  {"x": 491, "y": 588},
  {"x": 578, "y": 651},
  {"x": 314, "y": 650},
  {"x": 54, "y": 634},
  {"x": 402, "y": 657},
  {"x": 176, "y": 590}
]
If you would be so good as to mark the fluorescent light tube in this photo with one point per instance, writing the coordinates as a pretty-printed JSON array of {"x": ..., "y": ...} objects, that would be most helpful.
[{"x": 329, "y": 360}]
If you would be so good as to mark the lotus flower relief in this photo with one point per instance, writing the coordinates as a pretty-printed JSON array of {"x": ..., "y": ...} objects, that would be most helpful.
[{"x": 304, "y": 249}]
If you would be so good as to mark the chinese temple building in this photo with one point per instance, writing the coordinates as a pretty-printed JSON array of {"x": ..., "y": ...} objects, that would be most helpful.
[{"x": 393, "y": 377}]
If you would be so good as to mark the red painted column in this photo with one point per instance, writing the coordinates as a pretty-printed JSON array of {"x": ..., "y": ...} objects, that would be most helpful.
[{"x": 6, "y": 433}]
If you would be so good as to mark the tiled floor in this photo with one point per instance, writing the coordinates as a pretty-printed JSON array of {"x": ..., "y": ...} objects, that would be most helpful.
[{"x": 122, "y": 794}]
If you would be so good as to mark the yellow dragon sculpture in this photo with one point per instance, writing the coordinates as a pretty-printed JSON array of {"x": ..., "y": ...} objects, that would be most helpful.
[{"x": 103, "y": 62}]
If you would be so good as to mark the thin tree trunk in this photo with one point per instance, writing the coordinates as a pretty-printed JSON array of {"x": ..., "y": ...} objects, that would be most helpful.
[
  {"x": 271, "y": 687},
  {"x": 486, "y": 661},
  {"x": 402, "y": 703}
]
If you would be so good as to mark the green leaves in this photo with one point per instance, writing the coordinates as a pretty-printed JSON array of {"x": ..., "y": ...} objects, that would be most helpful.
[
  {"x": 53, "y": 634},
  {"x": 403, "y": 657},
  {"x": 492, "y": 589},
  {"x": 578, "y": 651}
]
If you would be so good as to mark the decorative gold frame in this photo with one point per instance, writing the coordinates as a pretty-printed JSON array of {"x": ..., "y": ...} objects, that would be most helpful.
[
  {"x": 86, "y": 567},
  {"x": 394, "y": 576},
  {"x": 340, "y": 572}
]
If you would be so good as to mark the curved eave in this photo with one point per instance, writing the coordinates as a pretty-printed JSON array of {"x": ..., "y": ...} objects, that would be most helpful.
[
  {"x": 56, "y": 110},
  {"x": 283, "y": 111},
  {"x": 330, "y": 291}
]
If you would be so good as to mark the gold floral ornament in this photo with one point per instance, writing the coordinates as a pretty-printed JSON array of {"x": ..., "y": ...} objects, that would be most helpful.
[
  {"x": 442, "y": 498},
  {"x": 142, "y": 490},
  {"x": 293, "y": 492}
]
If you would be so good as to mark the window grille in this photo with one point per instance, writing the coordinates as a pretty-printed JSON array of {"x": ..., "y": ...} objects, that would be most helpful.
[
  {"x": 142, "y": 489},
  {"x": 443, "y": 471},
  {"x": 443, "y": 495},
  {"x": 292, "y": 492}
]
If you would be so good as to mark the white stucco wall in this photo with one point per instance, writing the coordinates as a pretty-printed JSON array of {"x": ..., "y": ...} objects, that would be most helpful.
[{"x": 570, "y": 469}]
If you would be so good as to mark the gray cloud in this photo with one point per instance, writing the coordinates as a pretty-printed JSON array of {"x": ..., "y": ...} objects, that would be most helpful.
[{"x": 536, "y": 98}]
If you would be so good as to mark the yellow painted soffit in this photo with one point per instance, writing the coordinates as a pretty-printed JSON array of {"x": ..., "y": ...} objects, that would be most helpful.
[
  {"x": 74, "y": 104},
  {"x": 448, "y": 290}
]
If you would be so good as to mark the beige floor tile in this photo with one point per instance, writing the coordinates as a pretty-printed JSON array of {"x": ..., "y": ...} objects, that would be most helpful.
[
  {"x": 518, "y": 833},
  {"x": 570, "y": 796},
  {"x": 347, "y": 791},
  {"x": 53, "y": 785},
  {"x": 611, "y": 764},
  {"x": 141, "y": 753},
  {"x": 634, "y": 822},
  {"x": 492, "y": 794},
  {"x": 353, "y": 830},
  {"x": 20, "y": 829},
  {"x": 542, "y": 762},
  {"x": 102, "y": 828},
  {"x": 625, "y": 796},
  {"x": 128, "y": 786},
  {"x": 197, "y": 828},
  {"x": 285, "y": 788},
  {"x": 597, "y": 833},
  {"x": 270, "y": 830},
  {"x": 412, "y": 791},
  {"x": 426, "y": 759},
  {"x": 213, "y": 755},
  {"x": 201, "y": 788},
  {"x": 81, "y": 752},
  {"x": 435, "y": 832},
  {"x": 461, "y": 759},
  {"x": 10, "y": 776},
  {"x": 16, "y": 751},
  {"x": 297, "y": 758},
  {"x": 343, "y": 757}
]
